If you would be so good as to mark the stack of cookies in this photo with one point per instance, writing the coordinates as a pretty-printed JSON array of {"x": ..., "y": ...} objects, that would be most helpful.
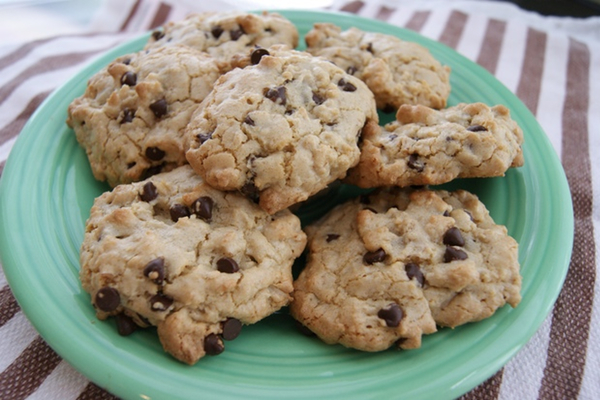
[{"x": 211, "y": 133}]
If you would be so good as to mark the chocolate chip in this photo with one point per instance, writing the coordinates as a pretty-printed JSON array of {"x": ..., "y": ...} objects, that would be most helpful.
[
  {"x": 159, "y": 108},
  {"x": 235, "y": 34},
  {"x": 249, "y": 120},
  {"x": 318, "y": 99},
  {"x": 153, "y": 170},
  {"x": 346, "y": 86},
  {"x": 128, "y": 115},
  {"x": 446, "y": 213},
  {"x": 155, "y": 270},
  {"x": 373, "y": 257},
  {"x": 149, "y": 192},
  {"x": 415, "y": 163},
  {"x": 213, "y": 345},
  {"x": 351, "y": 70},
  {"x": 217, "y": 31},
  {"x": 126, "y": 61},
  {"x": 452, "y": 253},
  {"x": 157, "y": 35},
  {"x": 453, "y": 237},
  {"x": 231, "y": 328},
  {"x": 160, "y": 302},
  {"x": 125, "y": 325},
  {"x": 203, "y": 137},
  {"x": 154, "y": 153},
  {"x": 203, "y": 207},
  {"x": 370, "y": 48},
  {"x": 178, "y": 211},
  {"x": 107, "y": 299},
  {"x": 276, "y": 95},
  {"x": 257, "y": 55},
  {"x": 477, "y": 128},
  {"x": 413, "y": 271},
  {"x": 251, "y": 191},
  {"x": 227, "y": 265},
  {"x": 129, "y": 78},
  {"x": 331, "y": 237},
  {"x": 391, "y": 315}
]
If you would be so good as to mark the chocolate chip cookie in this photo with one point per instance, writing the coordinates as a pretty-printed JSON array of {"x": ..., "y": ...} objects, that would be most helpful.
[
  {"x": 281, "y": 130},
  {"x": 384, "y": 269},
  {"x": 132, "y": 116},
  {"x": 397, "y": 71},
  {"x": 225, "y": 34},
  {"x": 429, "y": 147},
  {"x": 196, "y": 262}
]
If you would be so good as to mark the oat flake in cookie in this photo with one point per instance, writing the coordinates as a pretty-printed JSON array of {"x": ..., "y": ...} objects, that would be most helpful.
[
  {"x": 397, "y": 71},
  {"x": 225, "y": 34},
  {"x": 430, "y": 147},
  {"x": 281, "y": 130},
  {"x": 196, "y": 262},
  {"x": 384, "y": 269},
  {"x": 131, "y": 118}
]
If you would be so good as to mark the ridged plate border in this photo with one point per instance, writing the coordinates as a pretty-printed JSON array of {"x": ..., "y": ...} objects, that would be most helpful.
[{"x": 47, "y": 189}]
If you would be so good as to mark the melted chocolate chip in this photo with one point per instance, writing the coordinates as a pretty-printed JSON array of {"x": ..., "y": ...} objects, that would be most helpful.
[
  {"x": 276, "y": 95},
  {"x": 235, "y": 34},
  {"x": 107, "y": 299},
  {"x": 227, "y": 265},
  {"x": 373, "y": 257},
  {"x": 453, "y": 237},
  {"x": 392, "y": 315},
  {"x": 249, "y": 120},
  {"x": 217, "y": 31},
  {"x": 149, "y": 192},
  {"x": 125, "y": 325},
  {"x": 251, "y": 191},
  {"x": 154, "y": 153},
  {"x": 477, "y": 128},
  {"x": 231, "y": 328},
  {"x": 203, "y": 207},
  {"x": 415, "y": 163},
  {"x": 331, "y": 237},
  {"x": 157, "y": 35},
  {"x": 155, "y": 270},
  {"x": 213, "y": 345},
  {"x": 257, "y": 55},
  {"x": 452, "y": 253},
  {"x": 413, "y": 271},
  {"x": 160, "y": 302},
  {"x": 129, "y": 78},
  {"x": 318, "y": 99},
  {"x": 346, "y": 86},
  {"x": 178, "y": 211},
  {"x": 159, "y": 108},
  {"x": 203, "y": 137},
  {"x": 128, "y": 116}
]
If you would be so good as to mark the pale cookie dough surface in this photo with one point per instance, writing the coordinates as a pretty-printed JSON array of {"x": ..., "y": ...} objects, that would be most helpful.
[
  {"x": 197, "y": 263},
  {"x": 389, "y": 250},
  {"x": 132, "y": 116},
  {"x": 397, "y": 71},
  {"x": 430, "y": 147},
  {"x": 226, "y": 34},
  {"x": 281, "y": 130}
]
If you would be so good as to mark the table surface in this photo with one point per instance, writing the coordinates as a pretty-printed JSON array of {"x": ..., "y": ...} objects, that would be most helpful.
[{"x": 550, "y": 60}]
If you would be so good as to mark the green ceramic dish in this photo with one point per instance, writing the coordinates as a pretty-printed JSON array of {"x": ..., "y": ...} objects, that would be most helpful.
[{"x": 47, "y": 190}]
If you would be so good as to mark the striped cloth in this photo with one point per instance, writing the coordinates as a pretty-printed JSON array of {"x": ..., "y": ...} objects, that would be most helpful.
[{"x": 552, "y": 64}]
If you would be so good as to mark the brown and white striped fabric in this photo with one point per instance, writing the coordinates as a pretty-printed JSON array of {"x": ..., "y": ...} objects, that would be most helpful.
[{"x": 552, "y": 64}]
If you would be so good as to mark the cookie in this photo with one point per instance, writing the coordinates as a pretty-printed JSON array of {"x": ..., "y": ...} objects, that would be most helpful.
[
  {"x": 397, "y": 71},
  {"x": 196, "y": 262},
  {"x": 281, "y": 130},
  {"x": 132, "y": 116},
  {"x": 430, "y": 147},
  {"x": 226, "y": 34},
  {"x": 384, "y": 269}
]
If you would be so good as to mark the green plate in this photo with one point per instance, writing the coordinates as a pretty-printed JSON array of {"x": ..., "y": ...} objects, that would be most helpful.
[{"x": 47, "y": 190}]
